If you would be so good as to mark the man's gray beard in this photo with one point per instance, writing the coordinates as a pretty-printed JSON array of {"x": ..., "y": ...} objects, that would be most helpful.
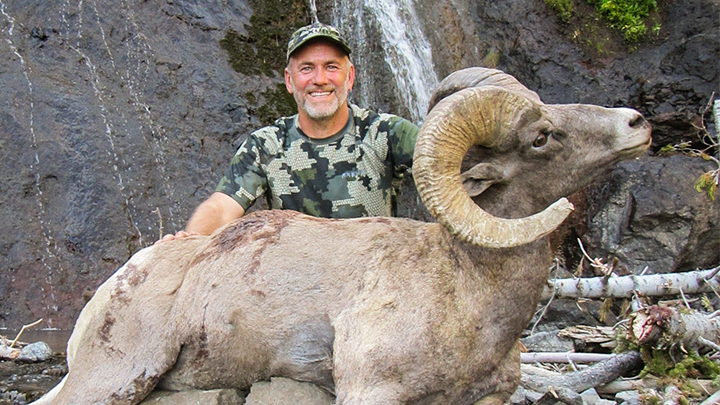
[{"x": 318, "y": 112}]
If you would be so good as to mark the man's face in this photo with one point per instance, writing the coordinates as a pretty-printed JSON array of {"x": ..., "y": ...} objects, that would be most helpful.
[{"x": 319, "y": 77}]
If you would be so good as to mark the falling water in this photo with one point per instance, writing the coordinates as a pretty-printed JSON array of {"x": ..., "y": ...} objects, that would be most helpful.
[
  {"x": 407, "y": 52},
  {"x": 313, "y": 10}
]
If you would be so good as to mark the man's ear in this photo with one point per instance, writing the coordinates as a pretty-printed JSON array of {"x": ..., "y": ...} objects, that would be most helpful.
[
  {"x": 288, "y": 85},
  {"x": 478, "y": 178},
  {"x": 351, "y": 76}
]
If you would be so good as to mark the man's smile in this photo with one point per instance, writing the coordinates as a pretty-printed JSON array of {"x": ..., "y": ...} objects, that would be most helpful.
[{"x": 319, "y": 94}]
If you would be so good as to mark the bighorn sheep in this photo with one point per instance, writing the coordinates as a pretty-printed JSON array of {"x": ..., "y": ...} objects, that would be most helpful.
[{"x": 378, "y": 310}]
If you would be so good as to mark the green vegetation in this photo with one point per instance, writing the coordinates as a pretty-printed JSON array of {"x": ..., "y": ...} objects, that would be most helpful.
[
  {"x": 678, "y": 371},
  {"x": 627, "y": 15},
  {"x": 263, "y": 49},
  {"x": 278, "y": 103},
  {"x": 563, "y": 8}
]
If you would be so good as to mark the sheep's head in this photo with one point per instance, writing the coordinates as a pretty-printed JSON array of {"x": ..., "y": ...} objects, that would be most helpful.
[{"x": 526, "y": 155}]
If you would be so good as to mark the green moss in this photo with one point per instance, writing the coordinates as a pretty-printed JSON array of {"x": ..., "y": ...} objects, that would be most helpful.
[
  {"x": 563, "y": 8},
  {"x": 626, "y": 15},
  {"x": 278, "y": 103},
  {"x": 263, "y": 49},
  {"x": 661, "y": 364}
]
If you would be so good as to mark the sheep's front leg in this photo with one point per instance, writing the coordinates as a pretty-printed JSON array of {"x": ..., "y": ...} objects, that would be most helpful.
[
  {"x": 370, "y": 364},
  {"x": 124, "y": 340}
]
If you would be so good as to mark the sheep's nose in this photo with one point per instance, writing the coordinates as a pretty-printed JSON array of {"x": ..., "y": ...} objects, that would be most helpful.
[{"x": 637, "y": 121}]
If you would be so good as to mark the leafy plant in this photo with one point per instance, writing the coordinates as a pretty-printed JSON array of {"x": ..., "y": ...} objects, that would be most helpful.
[
  {"x": 563, "y": 8},
  {"x": 626, "y": 15},
  {"x": 710, "y": 180}
]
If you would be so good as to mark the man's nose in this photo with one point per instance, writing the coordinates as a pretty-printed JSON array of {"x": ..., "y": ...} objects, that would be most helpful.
[{"x": 320, "y": 76}]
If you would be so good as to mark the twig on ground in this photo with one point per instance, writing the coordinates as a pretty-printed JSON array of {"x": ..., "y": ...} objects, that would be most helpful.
[
  {"x": 23, "y": 330},
  {"x": 555, "y": 266},
  {"x": 650, "y": 382}
]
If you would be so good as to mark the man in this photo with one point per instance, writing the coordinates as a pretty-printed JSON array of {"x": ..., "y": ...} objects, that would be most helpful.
[{"x": 330, "y": 160}]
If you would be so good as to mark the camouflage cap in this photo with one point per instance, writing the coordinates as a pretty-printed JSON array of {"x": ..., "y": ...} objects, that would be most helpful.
[{"x": 317, "y": 30}]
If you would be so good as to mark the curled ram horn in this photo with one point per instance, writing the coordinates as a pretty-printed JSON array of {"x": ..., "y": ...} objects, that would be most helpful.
[
  {"x": 474, "y": 116},
  {"x": 479, "y": 77}
]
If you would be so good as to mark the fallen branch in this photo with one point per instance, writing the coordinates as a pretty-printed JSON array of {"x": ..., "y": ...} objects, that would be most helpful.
[
  {"x": 593, "y": 376},
  {"x": 667, "y": 326},
  {"x": 699, "y": 281},
  {"x": 564, "y": 357},
  {"x": 23, "y": 330},
  {"x": 650, "y": 382},
  {"x": 8, "y": 352}
]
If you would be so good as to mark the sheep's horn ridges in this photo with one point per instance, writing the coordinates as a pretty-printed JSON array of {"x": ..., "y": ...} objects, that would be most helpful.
[
  {"x": 478, "y": 77},
  {"x": 474, "y": 116}
]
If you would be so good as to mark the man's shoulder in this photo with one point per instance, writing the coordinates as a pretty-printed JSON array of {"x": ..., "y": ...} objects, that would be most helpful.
[
  {"x": 272, "y": 137},
  {"x": 368, "y": 120}
]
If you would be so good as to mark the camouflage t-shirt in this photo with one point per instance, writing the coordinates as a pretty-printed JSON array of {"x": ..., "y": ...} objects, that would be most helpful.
[{"x": 351, "y": 174}]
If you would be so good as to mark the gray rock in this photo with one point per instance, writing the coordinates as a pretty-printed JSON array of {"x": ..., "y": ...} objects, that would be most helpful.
[
  {"x": 628, "y": 397},
  {"x": 196, "y": 397},
  {"x": 547, "y": 342},
  {"x": 35, "y": 352},
  {"x": 649, "y": 214},
  {"x": 282, "y": 391},
  {"x": 523, "y": 396},
  {"x": 591, "y": 397}
]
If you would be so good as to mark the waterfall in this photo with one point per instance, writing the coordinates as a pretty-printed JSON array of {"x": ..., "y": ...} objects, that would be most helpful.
[{"x": 407, "y": 53}]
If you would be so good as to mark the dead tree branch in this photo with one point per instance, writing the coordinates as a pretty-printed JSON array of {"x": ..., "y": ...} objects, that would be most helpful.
[
  {"x": 593, "y": 376},
  {"x": 564, "y": 357},
  {"x": 699, "y": 281},
  {"x": 667, "y": 326}
]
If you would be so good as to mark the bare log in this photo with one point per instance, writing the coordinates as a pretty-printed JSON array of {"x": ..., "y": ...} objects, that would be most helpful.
[
  {"x": 579, "y": 381},
  {"x": 698, "y": 281},
  {"x": 564, "y": 357},
  {"x": 650, "y": 382},
  {"x": 667, "y": 326}
]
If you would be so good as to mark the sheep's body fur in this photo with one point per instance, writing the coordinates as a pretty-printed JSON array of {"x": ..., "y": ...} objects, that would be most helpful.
[
  {"x": 380, "y": 310},
  {"x": 360, "y": 314}
]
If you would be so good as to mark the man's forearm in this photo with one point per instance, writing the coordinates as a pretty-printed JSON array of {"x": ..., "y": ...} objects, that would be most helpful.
[{"x": 213, "y": 213}]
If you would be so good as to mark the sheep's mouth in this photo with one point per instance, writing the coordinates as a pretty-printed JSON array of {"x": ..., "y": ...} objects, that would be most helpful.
[{"x": 637, "y": 149}]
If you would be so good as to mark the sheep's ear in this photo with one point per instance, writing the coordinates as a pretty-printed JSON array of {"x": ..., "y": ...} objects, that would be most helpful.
[{"x": 478, "y": 178}]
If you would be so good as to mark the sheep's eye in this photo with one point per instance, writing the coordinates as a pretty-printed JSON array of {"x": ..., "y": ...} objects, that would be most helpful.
[{"x": 541, "y": 140}]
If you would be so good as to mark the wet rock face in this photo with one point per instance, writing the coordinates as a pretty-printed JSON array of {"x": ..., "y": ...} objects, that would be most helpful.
[
  {"x": 643, "y": 215},
  {"x": 118, "y": 118}
]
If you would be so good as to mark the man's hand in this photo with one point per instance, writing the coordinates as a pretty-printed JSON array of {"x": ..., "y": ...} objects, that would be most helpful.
[
  {"x": 213, "y": 213},
  {"x": 178, "y": 235}
]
